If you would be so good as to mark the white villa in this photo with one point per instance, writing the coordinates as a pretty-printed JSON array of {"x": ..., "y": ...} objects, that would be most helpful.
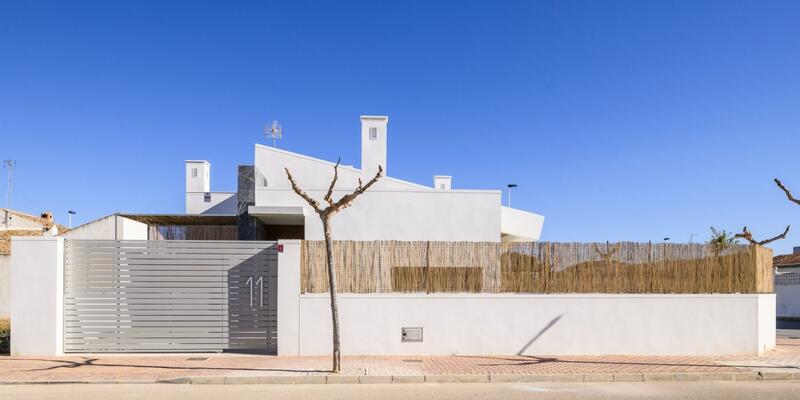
[{"x": 392, "y": 209}]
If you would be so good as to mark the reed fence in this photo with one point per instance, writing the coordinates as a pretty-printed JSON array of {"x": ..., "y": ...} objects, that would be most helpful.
[{"x": 538, "y": 267}]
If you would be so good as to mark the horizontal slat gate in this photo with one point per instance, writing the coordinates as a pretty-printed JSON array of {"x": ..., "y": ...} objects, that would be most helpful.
[{"x": 170, "y": 296}]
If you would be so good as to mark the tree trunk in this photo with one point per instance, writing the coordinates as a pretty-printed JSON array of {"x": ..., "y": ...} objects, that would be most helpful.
[{"x": 337, "y": 354}]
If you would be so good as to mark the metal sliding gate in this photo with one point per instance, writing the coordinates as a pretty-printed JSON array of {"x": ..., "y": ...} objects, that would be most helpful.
[{"x": 170, "y": 296}]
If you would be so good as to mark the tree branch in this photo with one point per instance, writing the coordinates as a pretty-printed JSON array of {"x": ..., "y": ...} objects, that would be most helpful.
[
  {"x": 786, "y": 190},
  {"x": 748, "y": 236},
  {"x": 610, "y": 250},
  {"x": 313, "y": 203},
  {"x": 329, "y": 195},
  {"x": 346, "y": 200}
]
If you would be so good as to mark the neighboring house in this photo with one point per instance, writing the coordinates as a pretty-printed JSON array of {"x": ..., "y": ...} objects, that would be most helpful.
[
  {"x": 393, "y": 209},
  {"x": 17, "y": 223},
  {"x": 787, "y": 285},
  {"x": 786, "y": 263}
]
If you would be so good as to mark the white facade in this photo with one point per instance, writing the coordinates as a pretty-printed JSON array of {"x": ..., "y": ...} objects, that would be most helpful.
[
  {"x": 788, "y": 301},
  {"x": 199, "y": 197},
  {"x": 15, "y": 220},
  {"x": 112, "y": 227},
  {"x": 392, "y": 209}
]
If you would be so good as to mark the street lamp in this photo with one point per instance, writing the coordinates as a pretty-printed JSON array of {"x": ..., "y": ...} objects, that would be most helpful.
[
  {"x": 71, "y": 213},
  {"x": 510, "y": 186}
]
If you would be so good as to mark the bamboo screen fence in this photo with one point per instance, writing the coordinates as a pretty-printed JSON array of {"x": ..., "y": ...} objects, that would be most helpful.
[{"x": 538, "y": 267}]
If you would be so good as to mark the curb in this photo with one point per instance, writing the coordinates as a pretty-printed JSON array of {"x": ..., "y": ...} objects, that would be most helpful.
[{"x": 440, "y": 378}]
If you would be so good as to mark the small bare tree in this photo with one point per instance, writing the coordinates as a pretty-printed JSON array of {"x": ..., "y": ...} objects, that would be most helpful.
[
  {"x": 325, "y": 215},
  {"x": 748, "y": 236}
]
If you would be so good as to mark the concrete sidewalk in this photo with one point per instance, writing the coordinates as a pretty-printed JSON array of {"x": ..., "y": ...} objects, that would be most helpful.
[{"x": 781, "y": 363}]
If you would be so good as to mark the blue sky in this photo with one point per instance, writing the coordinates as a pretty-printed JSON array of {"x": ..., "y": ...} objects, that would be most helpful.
[{"x": 618, "y": 120}]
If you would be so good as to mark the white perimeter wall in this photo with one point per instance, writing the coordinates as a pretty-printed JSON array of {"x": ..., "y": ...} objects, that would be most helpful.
[
  {"x": 37, "y": 296},
  {"x": 542, "y": 324},
  {"x": 788, "y": 299},
  {"x": 5, "y": 286}
]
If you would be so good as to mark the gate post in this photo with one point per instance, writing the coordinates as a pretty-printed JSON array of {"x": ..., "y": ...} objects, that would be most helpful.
[
  {"x": 37, "y": 296},
  {"x": 288, "y": 297}
]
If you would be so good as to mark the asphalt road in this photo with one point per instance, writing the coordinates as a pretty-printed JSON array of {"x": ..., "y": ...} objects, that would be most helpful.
[{"x": 511, "y": 391}]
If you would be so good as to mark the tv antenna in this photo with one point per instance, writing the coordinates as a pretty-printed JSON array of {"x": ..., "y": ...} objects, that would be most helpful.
[
  {"x": 274, "y": 131},
  {"x": 10, "y": 165}
]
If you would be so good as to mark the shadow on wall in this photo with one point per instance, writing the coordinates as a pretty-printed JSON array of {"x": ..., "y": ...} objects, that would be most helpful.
[{"x": 541, "y": 332}]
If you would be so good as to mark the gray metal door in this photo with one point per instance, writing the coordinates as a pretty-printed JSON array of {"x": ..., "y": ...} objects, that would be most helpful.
[{"x": 170, "y": 296}]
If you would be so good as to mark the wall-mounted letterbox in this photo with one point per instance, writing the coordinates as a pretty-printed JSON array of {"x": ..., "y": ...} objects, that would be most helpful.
[{"x": 411, "y": 334}]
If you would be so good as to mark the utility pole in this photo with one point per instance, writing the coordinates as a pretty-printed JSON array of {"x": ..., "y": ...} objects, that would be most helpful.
[{"x": 9, "y": 164}]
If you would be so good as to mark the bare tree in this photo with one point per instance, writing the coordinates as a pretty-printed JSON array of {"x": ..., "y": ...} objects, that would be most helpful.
[
  {"x": 786, "y": 190},
  {"x": 325, "y": 215},
  {"x": 747, "y": 235}
]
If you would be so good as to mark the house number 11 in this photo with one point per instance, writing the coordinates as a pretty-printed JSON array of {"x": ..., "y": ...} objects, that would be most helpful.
[{"x": 260, "y": 284}]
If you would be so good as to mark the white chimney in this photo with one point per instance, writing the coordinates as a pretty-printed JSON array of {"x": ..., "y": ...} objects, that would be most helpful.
[
  {"x": 442, "y": 182},
  {"x": 198, "y": 176},
  {"x": 373, "y": 144}
]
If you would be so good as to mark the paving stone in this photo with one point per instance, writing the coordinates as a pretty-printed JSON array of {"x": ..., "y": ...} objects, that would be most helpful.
[
  {"x": 504, "y": 378},
  {"x": 308, "y": 379},
  {"x": 275, "y": 380},
  {"x": 374, "y": 379},
  {"x": 688, "y": 376},
  {"x": 441, "y": 378},
  {"x": 746, "y": 376},
  {"x": 659, "y": 377},
  {"x": 207, "y": 380},
  {"x": 598, "y": 378},
  {"x": 472, "y": 378},
  {"x": 566, "y": 378},
  {"x": 181, "y": 380},
  {"x": 342, "y": 379},
  {"x": 628, "y": 377},
  {"x": 717, "y": 376},
  {"x": 535, "y": 378},
  {"x": 776, "y": 376},
  {"x": 241, "y": 380},
  {"x": 408, "y": 379}
]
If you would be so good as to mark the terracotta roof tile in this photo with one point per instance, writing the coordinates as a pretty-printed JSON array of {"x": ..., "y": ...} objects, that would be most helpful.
[{"x": 786, "y": 260}]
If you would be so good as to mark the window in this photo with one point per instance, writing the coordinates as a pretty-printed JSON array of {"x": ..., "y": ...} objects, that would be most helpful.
[
  {"x": 207, "y": 197},
  {"x": 194, "y": 172},
  {"x": 373, "y": 133}
]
